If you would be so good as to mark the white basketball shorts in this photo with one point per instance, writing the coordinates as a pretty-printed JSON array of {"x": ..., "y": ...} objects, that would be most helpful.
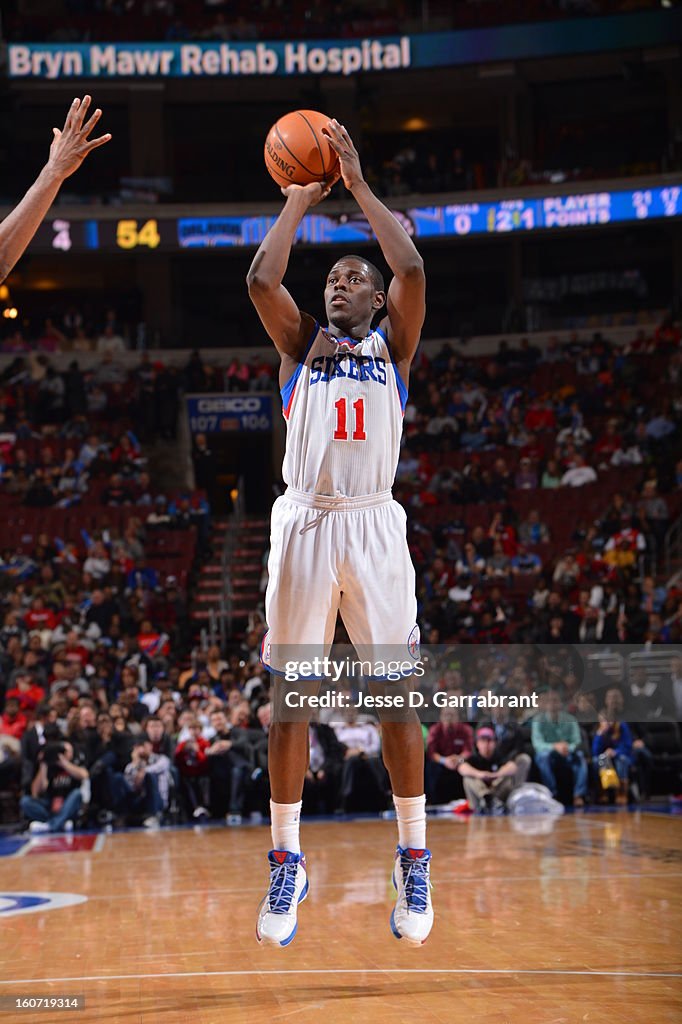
[{"x": 346, "y": 555}]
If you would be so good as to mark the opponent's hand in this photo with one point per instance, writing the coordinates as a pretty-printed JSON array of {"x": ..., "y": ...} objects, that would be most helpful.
[
  {"x": 342, "y": 144},
  {"x": 71, "y": 145},
  {"x": 312, "y": 194}
]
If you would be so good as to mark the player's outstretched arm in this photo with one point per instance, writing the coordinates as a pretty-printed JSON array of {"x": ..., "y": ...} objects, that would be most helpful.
[
  {"x": 288, "y": 327},
  {"x": 406, "y": 298},
  {"x": 69, "y": 148}
]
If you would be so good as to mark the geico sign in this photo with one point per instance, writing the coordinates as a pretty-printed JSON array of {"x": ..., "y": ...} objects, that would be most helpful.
[{"x": 230, "y": 404}]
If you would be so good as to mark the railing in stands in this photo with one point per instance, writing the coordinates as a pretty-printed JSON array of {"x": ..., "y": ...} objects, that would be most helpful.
[
  {"x": 648, "y": 561},
  {"x": 229, "y": 544},
  {"x": 672, "y": 548},
  {"x": 208, "y": 635}
]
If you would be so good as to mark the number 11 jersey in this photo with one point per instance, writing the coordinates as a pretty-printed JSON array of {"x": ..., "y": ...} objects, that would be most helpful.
[{"x": 344, "y": 408}]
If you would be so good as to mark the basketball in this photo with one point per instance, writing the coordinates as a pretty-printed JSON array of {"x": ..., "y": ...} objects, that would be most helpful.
[{"x": 296, "y": 151}]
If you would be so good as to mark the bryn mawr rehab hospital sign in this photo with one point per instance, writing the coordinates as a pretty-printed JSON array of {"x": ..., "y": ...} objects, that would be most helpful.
[
  {"x": 196, "y": 60},
  {"x": 343, "y": 57}
]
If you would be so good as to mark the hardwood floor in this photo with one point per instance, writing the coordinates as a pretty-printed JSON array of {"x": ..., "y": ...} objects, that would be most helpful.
[{"x": 582, "y": 924}]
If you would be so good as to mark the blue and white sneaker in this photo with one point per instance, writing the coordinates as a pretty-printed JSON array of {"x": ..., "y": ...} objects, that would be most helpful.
[
  {"x": 412, "y": 916},
  {"x": 288, "y": 887}
]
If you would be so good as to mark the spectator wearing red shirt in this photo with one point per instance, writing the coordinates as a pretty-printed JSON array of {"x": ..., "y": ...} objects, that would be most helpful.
[
  {"x": 440, "y": 576},
  {"x": 192, "y": 762},
  {"x": 505, "y": 533},
  {"x": 449, "y": 742},
  {"x": 151, "y": 642},
  {"x": 540, "y": 417},
  {"x": 39, "y": 617},
  {"x": 491, "y": 631},
  {"x": 26, "y": 691},
  {"x": 13, "y": 723},
  {"x": 74, "y": 650},
  {"x": 237, "y": 376},
  {"x": 126, "y": 452},
  {"x": 609, "y": 442},
  {"x": 532, "y": 449}
]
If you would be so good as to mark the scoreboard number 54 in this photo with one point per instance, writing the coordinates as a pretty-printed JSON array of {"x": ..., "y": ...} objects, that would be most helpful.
[{"x": 129, "y": 235}]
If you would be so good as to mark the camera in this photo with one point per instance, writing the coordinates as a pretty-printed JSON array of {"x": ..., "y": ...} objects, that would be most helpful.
[{"x": 52, "y": 753}]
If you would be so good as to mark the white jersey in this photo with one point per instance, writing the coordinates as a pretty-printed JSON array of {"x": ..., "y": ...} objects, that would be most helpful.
[{"x": 344, "y": 408}]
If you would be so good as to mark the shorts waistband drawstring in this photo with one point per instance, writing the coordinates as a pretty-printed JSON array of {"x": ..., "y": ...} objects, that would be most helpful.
[
  {"x": 315, "y": 522},
  {"x": 326, "y": 503}
]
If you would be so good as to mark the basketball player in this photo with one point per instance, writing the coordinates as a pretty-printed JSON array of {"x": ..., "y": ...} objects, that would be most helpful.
[
  {"x": 338, "y": 540},
  {"x": 69, "y": 148}
]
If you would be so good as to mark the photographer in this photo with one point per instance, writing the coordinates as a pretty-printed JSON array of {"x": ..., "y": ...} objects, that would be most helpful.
[{"x": 55, "y": 798}]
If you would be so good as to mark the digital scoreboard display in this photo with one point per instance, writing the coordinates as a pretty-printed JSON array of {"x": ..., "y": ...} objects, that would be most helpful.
[
  {"x": 145, "y": 234},
  {"x": 588, "y": 209},
  {"x": 156, "y": 233}
]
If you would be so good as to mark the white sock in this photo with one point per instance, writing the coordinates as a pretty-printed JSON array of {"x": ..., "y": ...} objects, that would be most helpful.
[
  {"x": 411, "y": 814},
  {"x": 286, "y": 821}
]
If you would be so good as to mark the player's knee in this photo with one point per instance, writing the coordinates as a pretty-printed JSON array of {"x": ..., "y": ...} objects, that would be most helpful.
[{"x": 399, "y": 723}]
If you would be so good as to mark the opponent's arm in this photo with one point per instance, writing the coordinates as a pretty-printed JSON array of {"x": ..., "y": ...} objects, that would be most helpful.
[
  {"x": 288, "y": 327},
  {"x": 406, "y": 298},
  {"x": 69, "y": 148}
]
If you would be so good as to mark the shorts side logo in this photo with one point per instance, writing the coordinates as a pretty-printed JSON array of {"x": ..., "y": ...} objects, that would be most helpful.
[{"x": 413, "y": 643}]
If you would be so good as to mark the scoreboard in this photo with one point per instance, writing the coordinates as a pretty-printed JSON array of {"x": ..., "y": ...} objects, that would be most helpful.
[
  {"x": 574, "y": 211},
  {"x": 159, "y": 233}
]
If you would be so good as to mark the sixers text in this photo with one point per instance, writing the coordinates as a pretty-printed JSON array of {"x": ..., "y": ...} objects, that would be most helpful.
[{"x": 326, "y": 368}]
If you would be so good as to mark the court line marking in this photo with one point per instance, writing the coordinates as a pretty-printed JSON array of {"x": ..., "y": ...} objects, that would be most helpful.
[
  {"x": 347, "y": 970},
  {"x": 21, "y": 851},
  {"x": 34, "y": 842}
]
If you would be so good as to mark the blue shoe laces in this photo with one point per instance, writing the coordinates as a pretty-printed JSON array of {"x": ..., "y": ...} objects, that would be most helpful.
[
  {"x": 282, "y": 887},
  {"x": 415, "y": 882}
]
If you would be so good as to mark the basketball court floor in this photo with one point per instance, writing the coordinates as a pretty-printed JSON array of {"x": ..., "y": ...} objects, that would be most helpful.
[{"x": 581, "y": 924}]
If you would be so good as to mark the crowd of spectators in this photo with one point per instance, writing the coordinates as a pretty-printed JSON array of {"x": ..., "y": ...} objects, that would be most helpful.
[
  {"x": 273, "y": 19},
  {"x": 105, "y": 732},
  {"x": 540, "y": 486},
  {"x": 586, "y": 723},
  {"x": 95, "y": 565},
  {"x": 439, "y": 160},
  {"x": 145, "y": 391}
]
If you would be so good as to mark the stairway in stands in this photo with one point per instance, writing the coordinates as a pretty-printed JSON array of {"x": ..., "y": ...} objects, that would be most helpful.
[{"x": 248, "y": 538}]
